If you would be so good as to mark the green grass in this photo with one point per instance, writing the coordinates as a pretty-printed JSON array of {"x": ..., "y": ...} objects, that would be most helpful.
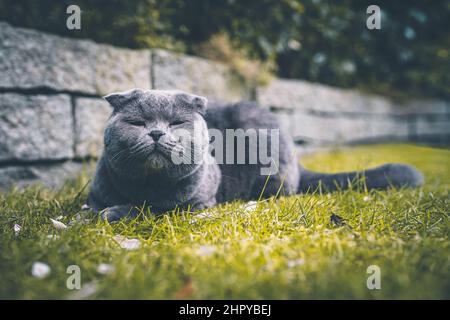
[{"x": 286, "y": 249}]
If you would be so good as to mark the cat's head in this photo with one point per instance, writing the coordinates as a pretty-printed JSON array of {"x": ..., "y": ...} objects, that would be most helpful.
[{"x": 156, "y": 131}]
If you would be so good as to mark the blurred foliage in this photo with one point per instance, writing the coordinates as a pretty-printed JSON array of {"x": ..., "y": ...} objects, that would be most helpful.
[
  {"x": 250, "y": 71},
  {"x": 315, "y": 40}
]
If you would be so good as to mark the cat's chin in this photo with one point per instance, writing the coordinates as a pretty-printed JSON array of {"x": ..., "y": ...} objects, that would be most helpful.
[{"x": 157, "y": 161}]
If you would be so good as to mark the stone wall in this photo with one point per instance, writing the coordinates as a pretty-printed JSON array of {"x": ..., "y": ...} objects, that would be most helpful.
[
  {"x": 52, "y": 115},
  {"x": 317, "y": 114}
]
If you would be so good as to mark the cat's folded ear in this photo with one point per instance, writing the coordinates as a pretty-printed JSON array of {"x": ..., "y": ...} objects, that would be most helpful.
[
  {"x": 200, "y": 104},
  {"x": 119, "y": 100}
]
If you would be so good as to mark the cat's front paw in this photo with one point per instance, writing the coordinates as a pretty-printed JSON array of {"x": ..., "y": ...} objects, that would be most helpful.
[
  {"x": 203, "y": 205},
  {"x": 114, "y": 214}
]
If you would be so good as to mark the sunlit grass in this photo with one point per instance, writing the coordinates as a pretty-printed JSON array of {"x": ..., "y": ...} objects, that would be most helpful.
[{"x": 286, "y": 248}]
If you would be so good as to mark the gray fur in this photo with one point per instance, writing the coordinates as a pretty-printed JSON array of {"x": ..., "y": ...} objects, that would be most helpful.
[{"x": 131, "y": 173}]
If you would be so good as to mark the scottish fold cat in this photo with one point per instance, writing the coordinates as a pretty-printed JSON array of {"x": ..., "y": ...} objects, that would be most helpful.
[{"x": 166, "y": 150}]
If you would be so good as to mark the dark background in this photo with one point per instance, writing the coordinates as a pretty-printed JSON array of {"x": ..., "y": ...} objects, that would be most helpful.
[{"x": 316, "y": 40}]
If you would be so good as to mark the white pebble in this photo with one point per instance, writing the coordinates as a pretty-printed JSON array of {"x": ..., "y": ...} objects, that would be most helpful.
[
  {"x": 295, "y": 263},
  {"x": 53, "y": 237},
  {"x": 250, "y": 206},
  {"x": 201, "y": 216},
  {"x": 17, "y": 228},
  {"x": 105, "y": 268},
  {"x": 206, "y": 251},
  {"x": 40, "y": 270}
]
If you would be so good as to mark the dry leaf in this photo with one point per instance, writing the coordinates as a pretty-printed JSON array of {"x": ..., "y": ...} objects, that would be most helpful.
[
  {"x": 85, "y": 292},
  {"x": 186, "y": 292},
  {"x": 58, "y": 225},
  {"x": 128, "y": 244}
]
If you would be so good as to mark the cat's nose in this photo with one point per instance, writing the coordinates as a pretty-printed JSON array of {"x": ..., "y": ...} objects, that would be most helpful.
[{"x": 156, "y": 134}]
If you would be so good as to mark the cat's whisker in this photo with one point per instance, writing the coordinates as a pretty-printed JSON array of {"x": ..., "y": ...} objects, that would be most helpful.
[
  {"x": 137, "y": 146},
  {"x": 118, "y": 154},
  {"x": 132, "y": 150}
]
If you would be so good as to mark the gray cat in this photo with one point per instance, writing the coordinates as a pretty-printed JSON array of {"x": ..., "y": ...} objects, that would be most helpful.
[{"x": 137, "y": 167}]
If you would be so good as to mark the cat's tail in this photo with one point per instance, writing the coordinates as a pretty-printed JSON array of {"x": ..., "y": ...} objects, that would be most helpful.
[{"x": 382, "y": 177}]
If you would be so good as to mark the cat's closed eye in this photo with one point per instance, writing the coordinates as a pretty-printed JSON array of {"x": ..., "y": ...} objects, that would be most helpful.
[
  {"x": 177, "y": 122},
  {"x": 137, "y": 123}
]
